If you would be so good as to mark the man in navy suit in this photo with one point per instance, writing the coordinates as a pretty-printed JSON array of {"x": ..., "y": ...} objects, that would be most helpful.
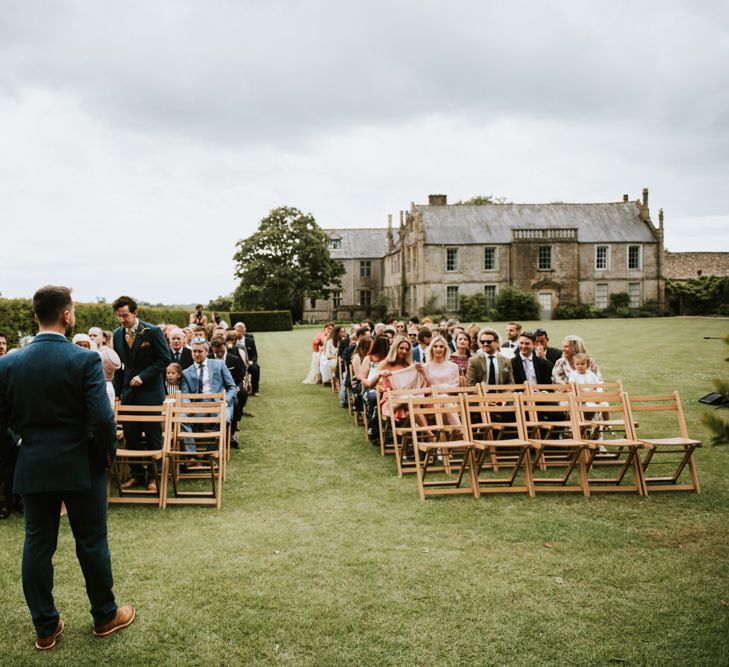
[
  {"x": 53, "y": 395},
  {"x": 145, "y": 355},
  {"x": 179, "y": 353},
  {"x": 527, "y": 366}
]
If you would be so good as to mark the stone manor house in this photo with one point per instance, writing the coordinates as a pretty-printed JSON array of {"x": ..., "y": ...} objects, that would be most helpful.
[{"x": 563, "y": 253}]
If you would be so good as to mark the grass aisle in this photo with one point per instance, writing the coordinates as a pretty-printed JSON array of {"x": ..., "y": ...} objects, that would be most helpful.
[{"x": 322, "y": 556}]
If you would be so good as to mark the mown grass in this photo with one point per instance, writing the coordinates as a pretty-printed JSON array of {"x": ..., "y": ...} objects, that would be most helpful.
[{"x": 322, "y": 556}]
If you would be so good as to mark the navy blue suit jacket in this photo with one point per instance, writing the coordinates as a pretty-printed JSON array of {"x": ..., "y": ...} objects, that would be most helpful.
[
  {"x": 148, "y": 358},
  {"x": 53, "y": 395}
]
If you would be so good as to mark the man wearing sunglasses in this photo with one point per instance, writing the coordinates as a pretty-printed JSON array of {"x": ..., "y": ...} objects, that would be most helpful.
[{"x": 488, "y": 365}]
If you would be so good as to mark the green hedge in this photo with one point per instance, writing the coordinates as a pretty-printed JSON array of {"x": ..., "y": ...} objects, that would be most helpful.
[
  {"x": 264, "y": 320},
  {"x": 16, "y": 315}
]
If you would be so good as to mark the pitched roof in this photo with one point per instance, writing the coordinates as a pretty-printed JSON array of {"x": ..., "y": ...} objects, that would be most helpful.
[
  {"x": 359, "y": 243},
  {"x": 686, "y": 265},
  {"x": 492, "y": 223}
]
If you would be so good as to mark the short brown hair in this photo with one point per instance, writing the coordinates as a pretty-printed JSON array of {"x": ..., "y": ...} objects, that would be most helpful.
[
  {"x": 217, "y": 342},
  {"x": 50, "y": 301},
  {"x": 125, "y": 301}
]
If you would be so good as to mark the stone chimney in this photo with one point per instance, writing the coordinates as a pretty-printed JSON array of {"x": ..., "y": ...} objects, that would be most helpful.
[
  {"x": 626, "y": 198},
  {"x": 660, "y": 218},
  {"x": 390, "y": 239},
  {"x": 438, "y": 200},
  {"x": 645, "y": 215}
]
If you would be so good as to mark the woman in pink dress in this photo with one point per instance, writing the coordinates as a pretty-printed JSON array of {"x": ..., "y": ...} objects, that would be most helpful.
[{"x": 314, "y": 376}]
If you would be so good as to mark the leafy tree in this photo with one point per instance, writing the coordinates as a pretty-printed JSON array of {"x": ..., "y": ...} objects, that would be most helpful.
[
  {"x": 476, "y": 308},
  {"x": 221, "y": 303},
  {"x": 704, "y": 295},
  {"x": 515, "y": 304},
  {"x": 718, "y": 422},
  {"x": 286, "y": 259},
  {"x": 481, "y": 200}
]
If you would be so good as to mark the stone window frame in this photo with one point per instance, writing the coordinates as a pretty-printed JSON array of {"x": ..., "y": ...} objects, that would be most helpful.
[
  {"x": 336, "y": 296},
  {"x": 639, "y": 249},
  {"x": 452, "y": 291},
  {"x": 604, "y": 300},
  {"x": 365, "y": 268},
  {"x": 603, "y": 265},
  {"x": 490, "y": 298},
  {"x": 635, "y": 294},
  {"x": 365, "y": 297},
  {"x": 335, "y": 244},
  {"x": 494, "y": 255},
  {"x": 544, "y": 258},
  {"x": 452, "y": 254}
]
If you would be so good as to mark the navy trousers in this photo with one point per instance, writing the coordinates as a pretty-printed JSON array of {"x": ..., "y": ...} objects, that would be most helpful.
[{"x": 87, "y": 516}]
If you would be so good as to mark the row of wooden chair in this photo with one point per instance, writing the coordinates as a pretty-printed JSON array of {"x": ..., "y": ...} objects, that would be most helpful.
[
  {"x": 539, "y": 439},
  {"x": 195, "y": 450}
]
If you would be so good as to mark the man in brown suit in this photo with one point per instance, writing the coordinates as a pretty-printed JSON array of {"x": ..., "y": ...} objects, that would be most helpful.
[{"x": 488, "y": 365}]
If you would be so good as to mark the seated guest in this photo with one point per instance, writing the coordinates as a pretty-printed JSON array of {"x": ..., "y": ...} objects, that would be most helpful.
[
  {"x": 83, "y": 340},
  {"x": 218, "y": 321},
  {"x": 489, "y": 366},
  {"x": 527, "y": 366},
  {"x": 358, "y": 355},
  {"x": 399, "y": 328},
  {"x": 109, "y": 359},
  {"x": 369, "y": 376},
  {"x": 571, "y": 346},
  {"x": 207, "y": 376},
  {"x": 252, "y": 353},
  {"x": 317, "y": 345},
  {"x": 399, "y": 358},
  {"x": 582, "y": 373},
  {"x": 460, "y": 357},
  {"x": 472, "y": 332},
  {"x": 188, "y": 337},
  {"x": 439, "y": 371},
  {"x": 420, "y": 351},
  {"x": 542, "y": 348},
  {"x": 509, "y": 347},
  {"x": 180, "y": 354},
  {"x": 328, "y": 357},
  {"x": 197, "y": 318},
  {"x": 238, "y": 372},
  {"x": 3, "y": 344},
  {"x": 413, "y": 336},
  {"x": 173, "y": 378}
]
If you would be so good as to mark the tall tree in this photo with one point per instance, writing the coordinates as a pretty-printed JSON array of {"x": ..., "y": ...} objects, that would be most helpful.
[{"x": 284, "y": 261}]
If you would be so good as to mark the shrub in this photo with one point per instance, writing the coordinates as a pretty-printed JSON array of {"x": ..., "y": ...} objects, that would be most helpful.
[
  {"x": 516, "y": 304},
  {"x": 476, "y": 308},
  {"x": 619, "y": 300},
  {"x": 574, "y": 311},
  {"x": 264, "y": 320}
]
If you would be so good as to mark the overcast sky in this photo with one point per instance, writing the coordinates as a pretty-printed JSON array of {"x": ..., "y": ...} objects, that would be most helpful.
[{"x": 141, "y": 140}]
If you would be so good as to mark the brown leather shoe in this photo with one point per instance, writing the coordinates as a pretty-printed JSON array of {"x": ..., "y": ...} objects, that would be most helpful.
[
  {"x": 49, "y": 642},
  {"x": 124, "y": 618},
  {"x": 129, "y": 484},
  {"x": 152, "y": 486}
]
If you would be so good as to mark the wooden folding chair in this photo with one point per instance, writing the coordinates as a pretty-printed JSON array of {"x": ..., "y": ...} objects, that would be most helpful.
[
  {"x": 501, "y": 388},
  {"x": 551, "y": 427},
  {"x": 439, "y": 437},
  {"x": 211, "y": 399},
  {"x": 359, "y": 418},
  {"x": 499, "y": 445},
  {"x": 678, "y": 447},
  {"x": 383, "y": 428},
  {"x": 399, "y": 429},
  {"x": 603, "y": 417},
  {"x": 154, "y": 459},
  {"x": 208, "y": 435},
  {"x": 554, "y": 387}
]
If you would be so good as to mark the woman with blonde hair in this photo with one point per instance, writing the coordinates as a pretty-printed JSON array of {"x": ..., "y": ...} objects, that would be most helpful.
[
  {"x": 571, "y": 346},
  {"x": 439, "y": 371}
]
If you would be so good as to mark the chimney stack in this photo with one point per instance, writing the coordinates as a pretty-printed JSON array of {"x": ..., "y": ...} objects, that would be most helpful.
[
  {"x": 660, "y": 218},
  {"x": 645, "y": 197},
  {"x": 390, "y": 239},
  {"x": 438, "y": 200},
  {"x": 626, "y": 198}
]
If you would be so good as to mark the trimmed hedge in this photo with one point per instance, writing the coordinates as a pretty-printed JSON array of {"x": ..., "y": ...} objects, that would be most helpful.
[
  {"x": 264, "y": 320},
  {"x": 16, "y": 315}
]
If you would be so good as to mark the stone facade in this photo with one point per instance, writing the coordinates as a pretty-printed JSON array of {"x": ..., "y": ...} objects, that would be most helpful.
[
  {"x": 563, "y": 253},
  {"x": 687, "y": 265}
]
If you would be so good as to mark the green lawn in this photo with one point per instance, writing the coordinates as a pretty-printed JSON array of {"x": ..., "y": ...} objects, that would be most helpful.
[{"x": 322, "y": 556}]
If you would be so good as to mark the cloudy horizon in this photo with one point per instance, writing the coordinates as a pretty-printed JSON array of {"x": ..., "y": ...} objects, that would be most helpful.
[{"x": 143, "y": 140}]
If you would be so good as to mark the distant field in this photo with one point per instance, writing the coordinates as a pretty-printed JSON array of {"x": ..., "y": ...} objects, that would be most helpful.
[{"x": 322, "y": 556}]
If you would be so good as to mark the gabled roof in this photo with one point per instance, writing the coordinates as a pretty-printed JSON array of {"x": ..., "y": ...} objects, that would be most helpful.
[
  {"x": 492, "y": 223},
  {"x": 359, "y": 243},
  {"x": 686, "y": 265}
]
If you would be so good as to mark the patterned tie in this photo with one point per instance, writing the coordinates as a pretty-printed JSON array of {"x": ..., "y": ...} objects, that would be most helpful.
[
  {"x": 130, "y": 338},
  {"x": 200, "y": 371},
  {"x": 492, "y": 370}
]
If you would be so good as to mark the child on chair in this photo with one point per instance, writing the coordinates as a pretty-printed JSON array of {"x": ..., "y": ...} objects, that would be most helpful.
[
  {"x": 582, "y": 373},
  {"x": 173, "y": 376}
]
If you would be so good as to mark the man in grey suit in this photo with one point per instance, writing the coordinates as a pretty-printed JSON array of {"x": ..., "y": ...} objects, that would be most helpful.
[
  {"x": 53, "y": 395},
  {"x": 487, "y": 365}
]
